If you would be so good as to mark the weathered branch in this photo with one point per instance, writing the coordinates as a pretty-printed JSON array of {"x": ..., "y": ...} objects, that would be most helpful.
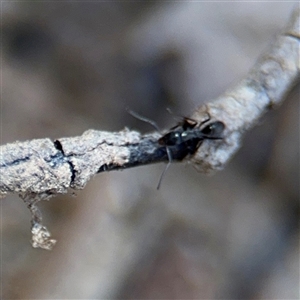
[
  {"x": 39, "y": 169},
  {"x": 265, "y": 87},
  {"x": 46, "y": 167}
]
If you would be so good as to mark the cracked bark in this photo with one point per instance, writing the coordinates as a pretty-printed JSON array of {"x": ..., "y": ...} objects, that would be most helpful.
[{"x": 39, "y": 169}]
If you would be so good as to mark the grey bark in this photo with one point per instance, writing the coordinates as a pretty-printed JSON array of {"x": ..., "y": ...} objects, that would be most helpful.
[{"x": 264, "y": 88}]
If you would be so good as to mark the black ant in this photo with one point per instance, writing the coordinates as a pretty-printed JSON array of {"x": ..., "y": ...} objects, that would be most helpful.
[
  {"x": 190, "y": 137},
  {"x": 185, "y": 138}
]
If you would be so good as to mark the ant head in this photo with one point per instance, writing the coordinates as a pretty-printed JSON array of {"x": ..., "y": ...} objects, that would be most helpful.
[{"x": 213, "y": 130}]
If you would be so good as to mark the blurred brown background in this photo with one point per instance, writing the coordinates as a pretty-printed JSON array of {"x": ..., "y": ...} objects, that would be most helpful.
[{"x": 72, "y": 66}]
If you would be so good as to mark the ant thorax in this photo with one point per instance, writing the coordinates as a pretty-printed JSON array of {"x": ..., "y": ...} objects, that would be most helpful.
[{"x": 187, "y": 134}]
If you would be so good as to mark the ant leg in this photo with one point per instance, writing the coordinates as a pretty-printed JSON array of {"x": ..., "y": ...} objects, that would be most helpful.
[
  {"x": 139, "y": 117},
  {"x": 208, "y": 114},
  {"x": 166, "y": 168},
  {"x": 205, "y": 121}
]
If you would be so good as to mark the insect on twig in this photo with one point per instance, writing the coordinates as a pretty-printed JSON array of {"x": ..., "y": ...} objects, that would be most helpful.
[{"x": 185, "y": 138}]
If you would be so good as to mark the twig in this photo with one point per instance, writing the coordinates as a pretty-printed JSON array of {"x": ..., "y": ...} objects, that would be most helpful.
[
  {"x": 264, "y": 88},
  {"x": 39, "y": 169}
]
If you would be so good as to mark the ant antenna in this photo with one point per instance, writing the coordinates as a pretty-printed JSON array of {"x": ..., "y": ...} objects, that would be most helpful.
[
  {"x": 169, "y": 110},
  {"x": 175, "y": 116},
  {"x": 141, "y": 118}
]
